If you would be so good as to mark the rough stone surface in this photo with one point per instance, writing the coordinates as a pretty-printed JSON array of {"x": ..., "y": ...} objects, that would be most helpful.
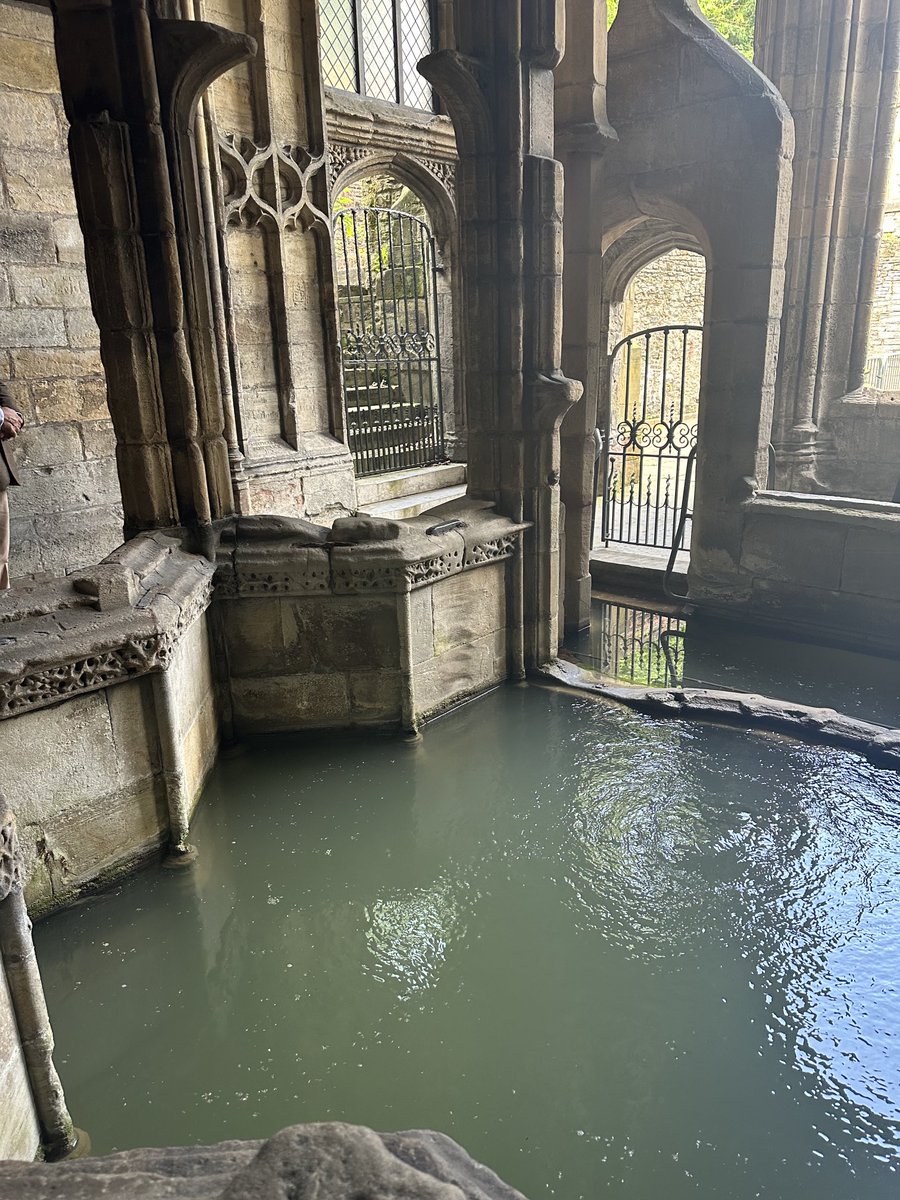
[
  {"x": 68, "y": 511},
  {"x": 306, "y": 1162},
  {"x": 802, "y": 721}
]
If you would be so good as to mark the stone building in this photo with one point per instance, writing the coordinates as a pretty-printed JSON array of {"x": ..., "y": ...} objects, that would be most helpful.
[{"x": 212, "y": 536}]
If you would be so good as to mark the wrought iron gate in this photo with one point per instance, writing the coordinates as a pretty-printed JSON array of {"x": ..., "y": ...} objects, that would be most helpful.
[
  {"x": 387, "y": 297},
  {"x": 654, "y": 387}
]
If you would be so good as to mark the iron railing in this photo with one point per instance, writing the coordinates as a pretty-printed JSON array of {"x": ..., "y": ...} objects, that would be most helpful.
[
  {"x": 372, "y": 47},
  {"x": 883, "y": 372},
  {"x": 390, "y": 339},
  {"x": 654, "y": 386}
]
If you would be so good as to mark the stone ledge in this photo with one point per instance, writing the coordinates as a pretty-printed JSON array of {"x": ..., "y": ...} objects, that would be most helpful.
[
  {"x": 269, "y": 555},
  {"x": 111, "y": 623},
  {"x": 825, "y": 726},
  {"x": 327, "y": 1162}
]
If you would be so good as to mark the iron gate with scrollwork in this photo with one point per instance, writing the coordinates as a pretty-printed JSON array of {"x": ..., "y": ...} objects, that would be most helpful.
[
  {"x": 390, "y": 341},
  {"x": 654, "y": 388}
]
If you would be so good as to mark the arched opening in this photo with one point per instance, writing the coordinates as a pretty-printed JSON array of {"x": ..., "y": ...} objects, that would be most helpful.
[
  {"x": 650, "y": 415},
  {"x": 395, "y": 322}
]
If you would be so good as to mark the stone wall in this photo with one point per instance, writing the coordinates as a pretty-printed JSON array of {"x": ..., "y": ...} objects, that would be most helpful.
[
  {"x": 68, "y": 512},
  {"x": 108, "y": 716},
  {"x": 19, "y": 1134},
  {"x": 821, "y": 566},
  {"x": 384, "y": 632},
  {"x": 668, "y": 291},
  {"x": 884, "y": 333}
]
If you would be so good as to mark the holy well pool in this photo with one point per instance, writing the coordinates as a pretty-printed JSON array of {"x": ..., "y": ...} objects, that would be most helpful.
[{"x": 610, "y": 956}]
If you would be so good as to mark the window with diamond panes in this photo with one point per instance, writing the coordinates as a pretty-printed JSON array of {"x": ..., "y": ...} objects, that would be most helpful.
[
  {"x": 339, "y": 44},
  {"x": 372, "y": 47}
]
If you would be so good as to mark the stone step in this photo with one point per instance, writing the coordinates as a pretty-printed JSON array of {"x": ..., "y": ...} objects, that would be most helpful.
[
  {"x": 636, "y": 570},
  {"x": 398, "y": 484},
  {"x": 411, "y": 506}
]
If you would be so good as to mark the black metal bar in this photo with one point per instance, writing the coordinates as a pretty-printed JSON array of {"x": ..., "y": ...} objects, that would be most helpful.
[
  {"x": 358, "y": 47},
  {"x": 398, "y": 51}
]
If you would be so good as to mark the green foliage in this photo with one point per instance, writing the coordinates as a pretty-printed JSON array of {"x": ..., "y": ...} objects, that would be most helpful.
[{"x": 734, "y": 19}]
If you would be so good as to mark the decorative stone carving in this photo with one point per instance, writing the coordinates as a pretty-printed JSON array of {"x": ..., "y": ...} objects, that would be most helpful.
[
  {"x": 269, "y": 183},
  {"x": 444, "y": 170},
  {"x": 341, "y": 155},
  {"x": 137, "y": 656},
  {"x": 502, "y": 547},
  {"x": 10, "y": 862},
  {"x": 43, "y": 663}
]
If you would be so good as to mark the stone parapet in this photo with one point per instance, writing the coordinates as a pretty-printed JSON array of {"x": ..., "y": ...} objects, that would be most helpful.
[
  {"x": 373, "y": 622},
  {"x": 112, "y": 623}
]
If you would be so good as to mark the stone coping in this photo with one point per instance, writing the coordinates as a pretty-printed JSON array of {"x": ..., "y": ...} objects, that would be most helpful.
[
  {"x": 837, "y": 509},
  {"x": 330, "y": 1161},
  {"x": 824, "y": 726},
  {"x": 123, "y": 618},
  {"x": 105, "y": 625},
  {"x": 362, "y": 554}
]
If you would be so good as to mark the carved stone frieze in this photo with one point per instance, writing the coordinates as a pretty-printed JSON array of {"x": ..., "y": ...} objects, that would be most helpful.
[
  {"x": 10, "y": 859},
  {"x": 57, "y": 681},
  {"x": 501, "y": 547},
  {"x": 269, "y": 183},
  {"x": 46, "y": 662},
  {"x": 341, "y": 155},
  {"x": 444, "y": 170}
]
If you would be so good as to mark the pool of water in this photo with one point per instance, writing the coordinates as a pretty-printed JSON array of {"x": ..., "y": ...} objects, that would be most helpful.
[
  {"x": 651, "y": 648},
  {"x": 609, "y": 955}
]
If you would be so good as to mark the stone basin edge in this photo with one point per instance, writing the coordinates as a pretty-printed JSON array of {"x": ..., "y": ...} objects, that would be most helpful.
[{"x": 879, "y": 744}]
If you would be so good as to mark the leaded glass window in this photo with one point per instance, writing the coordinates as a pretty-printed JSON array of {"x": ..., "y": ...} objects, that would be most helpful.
[{"x": 372, "y": 47}]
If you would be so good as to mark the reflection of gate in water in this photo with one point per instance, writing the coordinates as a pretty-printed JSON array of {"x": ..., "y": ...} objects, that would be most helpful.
[
  {"x": 387, "y": 296},
  {"x": 654, "y": 389}
]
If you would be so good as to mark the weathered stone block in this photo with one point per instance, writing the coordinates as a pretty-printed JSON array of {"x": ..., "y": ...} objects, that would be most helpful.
[
  {"x": 375, "y": 697},
  {"x": 290, "y": 702},
  {"x": 40, "y": 183},
  {"x": 28, "y": 64},
  {"x": 464, "y": 670},
  {"x": 341, "y": 633},
  {"x": 28, "y": 120},
  {"x": 779, "y": 547},
  {"x": 468, "y": 606},
  {"x": 25, "y": 240},
  {"x": 49, "y": 287},
  {"x": 32, "y": 327},
  {"x": 872, "y": 563},
  {"x": 253, "y": 633}
]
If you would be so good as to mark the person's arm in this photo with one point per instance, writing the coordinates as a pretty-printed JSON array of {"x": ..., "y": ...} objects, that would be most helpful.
[{"x": 12, "y": 420}]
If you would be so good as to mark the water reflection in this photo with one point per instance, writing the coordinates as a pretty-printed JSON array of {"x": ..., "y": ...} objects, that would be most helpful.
[
  {"x": 646, "y": 647},
  {"x": 605, "y": 953}
]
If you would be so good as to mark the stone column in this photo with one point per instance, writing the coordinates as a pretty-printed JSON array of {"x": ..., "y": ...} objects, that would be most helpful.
[
  {"x": 59, "y": 1137},
  {"x": 498, "y": 88},
  {"x": 583, "y": 134},
  {"x": 836, "y": 65},
  {"x": 130, "y": 81}
]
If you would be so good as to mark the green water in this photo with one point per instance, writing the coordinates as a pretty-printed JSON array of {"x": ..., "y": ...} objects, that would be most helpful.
[{"x": 608, "y": 955}]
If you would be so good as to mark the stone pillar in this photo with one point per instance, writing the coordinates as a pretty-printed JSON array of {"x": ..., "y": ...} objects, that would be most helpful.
[
  {"x": 130, "y": 82},
  {"x": 498, "y": 88},
  {"x": 583, "y": 133},
  {"x": 59, "y": 1137},
  {"x": 836, "y": 65}
]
